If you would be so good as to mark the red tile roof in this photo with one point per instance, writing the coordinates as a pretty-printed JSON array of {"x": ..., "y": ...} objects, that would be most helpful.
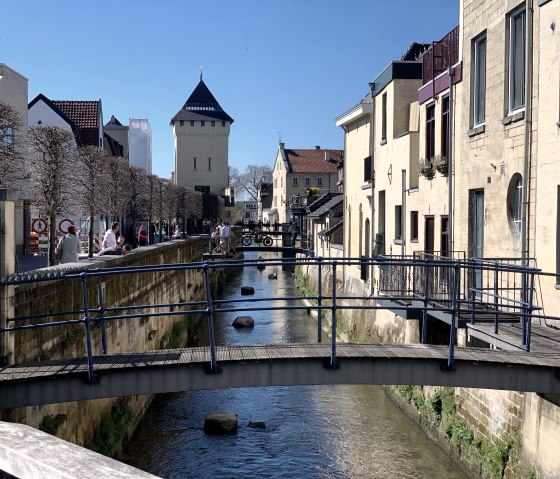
[
  {"x": 312, "y": 161},
  {"x": 85, "y": 115}
]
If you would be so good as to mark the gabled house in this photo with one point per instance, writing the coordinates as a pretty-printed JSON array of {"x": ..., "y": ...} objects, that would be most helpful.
[
  {"x": 301, "y": 173},
  {"x": 324, "y": 225},
  {"x": 83, "y": 118},
  {"x": 264, "y": 202}
]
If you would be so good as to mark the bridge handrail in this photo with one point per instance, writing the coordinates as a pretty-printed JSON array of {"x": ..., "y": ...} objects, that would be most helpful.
[{"x": 452, "y": 302}]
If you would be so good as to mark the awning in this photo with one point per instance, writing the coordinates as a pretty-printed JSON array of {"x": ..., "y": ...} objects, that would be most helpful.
[{"x": 272, "y": 211}]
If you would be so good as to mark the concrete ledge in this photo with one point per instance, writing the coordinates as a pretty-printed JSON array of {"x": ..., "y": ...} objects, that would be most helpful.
[{"x": 29, "y": 453}]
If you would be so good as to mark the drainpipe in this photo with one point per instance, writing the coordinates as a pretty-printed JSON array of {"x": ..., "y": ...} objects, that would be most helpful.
[
  {"x": 372, "y": 174},
  {"x": 404, "y": 192},
  {"x": 527, "y": 132},
  {"x": 450, "y": 130}
]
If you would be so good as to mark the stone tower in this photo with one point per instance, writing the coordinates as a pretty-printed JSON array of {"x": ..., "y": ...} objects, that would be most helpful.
[{"x": 201, "y": 132}]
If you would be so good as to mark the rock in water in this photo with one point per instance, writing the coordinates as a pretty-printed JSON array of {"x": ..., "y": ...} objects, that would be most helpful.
[
  {"x": 257, "y": 424},
  {"x": 272, "y": 276},
  {"x": 247, "y": 290},
  {"x": 220, "y": 423},
  {"x": 243, "y": 322}
]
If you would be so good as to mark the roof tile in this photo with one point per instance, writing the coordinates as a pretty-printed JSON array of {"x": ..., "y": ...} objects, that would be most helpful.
[{"x": 312, "y": 161}]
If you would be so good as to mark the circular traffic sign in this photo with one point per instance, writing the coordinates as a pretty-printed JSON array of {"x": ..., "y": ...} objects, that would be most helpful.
[
  {"x": 39, "y": 225},
  {"x": 64, "y": 224}
]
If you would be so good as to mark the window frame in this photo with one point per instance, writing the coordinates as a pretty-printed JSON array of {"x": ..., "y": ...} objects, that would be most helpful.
[
  {"x": 444, "y": 135},
  {"x": 319, "y": 181},
  {"x": 194, "y": 163},
  {"x": 398, "y": 223},
  {"x": 295, "y": 181},
  {"x": 414, "y": 226},
  {"x": 479, "y": 81},
  {"x": 209, "y": 163},
  {"x": 430, "y": 146},
  {"x": 513, "y": 106},
  {"x": 307, "y": 181}
]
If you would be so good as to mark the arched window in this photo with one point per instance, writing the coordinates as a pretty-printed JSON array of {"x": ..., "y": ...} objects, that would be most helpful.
[{"x": 514, "y": 203}]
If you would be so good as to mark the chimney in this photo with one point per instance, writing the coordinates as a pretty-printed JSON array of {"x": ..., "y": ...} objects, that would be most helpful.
[{"x": 317, "y": 147}]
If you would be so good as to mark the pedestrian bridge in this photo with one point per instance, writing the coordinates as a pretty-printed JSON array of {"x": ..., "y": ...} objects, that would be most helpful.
[
  {"x": 276, "y": 365},
  {"x": 99, "y": 374}
]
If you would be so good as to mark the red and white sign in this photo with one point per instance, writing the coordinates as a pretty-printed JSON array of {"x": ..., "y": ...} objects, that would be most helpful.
[
  {"x": 39, "y": 225},
  {"x": 64, "y": 224}
]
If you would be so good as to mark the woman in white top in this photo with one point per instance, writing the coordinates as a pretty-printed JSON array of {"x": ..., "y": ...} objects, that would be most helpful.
[{"x": 69, "y": 247}]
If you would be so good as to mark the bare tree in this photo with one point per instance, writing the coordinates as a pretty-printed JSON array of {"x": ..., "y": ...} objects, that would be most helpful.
[
  {"x": 12, "y": 146},
  {"x": 118, "y": 187},
  {"x": 92, "y": 185},
  {"x": 51, "y": 174},
  {"x": 138, "y": 198},
  {"x": 151, "y": 205},
  {"x": 246, "y": 184}
]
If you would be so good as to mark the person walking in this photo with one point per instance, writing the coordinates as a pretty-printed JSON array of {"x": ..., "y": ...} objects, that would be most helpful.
[
  {"x": 69, "y": 247},
  {"x": 142, "y": 236},
  {"x": 225, "y": 233}
]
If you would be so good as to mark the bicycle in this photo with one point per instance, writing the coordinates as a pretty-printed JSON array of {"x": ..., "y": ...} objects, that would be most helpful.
[{"x": 257, "y": 237}]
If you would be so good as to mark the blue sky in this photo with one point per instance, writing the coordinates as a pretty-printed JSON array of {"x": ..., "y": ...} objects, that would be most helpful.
[{"x": 289, "y": 66}]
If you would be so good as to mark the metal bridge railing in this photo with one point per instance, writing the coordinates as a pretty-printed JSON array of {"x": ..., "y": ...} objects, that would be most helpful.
[{"x": 399, "y": 279}]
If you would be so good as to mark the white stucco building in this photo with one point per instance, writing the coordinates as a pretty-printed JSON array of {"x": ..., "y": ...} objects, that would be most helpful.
[{"x": 140, "y": 144}]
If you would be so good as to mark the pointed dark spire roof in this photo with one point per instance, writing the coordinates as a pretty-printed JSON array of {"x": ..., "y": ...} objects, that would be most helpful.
[
  {"x": 113, "y": 122},
  {"x": 201, "y": 105}
]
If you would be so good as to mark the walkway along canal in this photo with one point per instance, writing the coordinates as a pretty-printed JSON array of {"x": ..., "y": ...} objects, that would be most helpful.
[{"x": 313, "y": 432}]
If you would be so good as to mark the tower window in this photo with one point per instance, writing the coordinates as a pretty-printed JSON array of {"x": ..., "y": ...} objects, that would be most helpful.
[
  {"x": 223, "y": 123},
  {"x": 209, "y": 164},
  {"x": 194, "y": 163},
  {"x": 181, "y": 123},
  {"x": 213, "y": 123},
  {"x": 202, "y": 123},
  {"x": 192, "y": 122}
]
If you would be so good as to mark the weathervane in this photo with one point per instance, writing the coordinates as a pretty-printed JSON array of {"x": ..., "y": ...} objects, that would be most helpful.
[{"x": 200, "y": 72}]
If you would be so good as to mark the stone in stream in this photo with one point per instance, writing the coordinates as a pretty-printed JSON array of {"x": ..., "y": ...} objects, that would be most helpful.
[
  {"x": 220, "y": 423},
  {"x": 257, "y": 424},
  {"x": 247, "y": 290},
  {"x": 272, "y": 276},
  {"x": 243, "y": 322}
]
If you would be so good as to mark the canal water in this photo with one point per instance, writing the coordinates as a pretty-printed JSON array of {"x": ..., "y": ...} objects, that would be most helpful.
[{"x": 311, "y": 432}]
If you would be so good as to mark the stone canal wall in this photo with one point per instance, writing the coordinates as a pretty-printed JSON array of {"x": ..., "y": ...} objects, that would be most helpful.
[{"x": 104, "y": 424}]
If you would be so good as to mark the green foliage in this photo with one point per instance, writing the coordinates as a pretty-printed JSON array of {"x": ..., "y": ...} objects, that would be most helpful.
[
  {"x": 112, "y": 432},
  {"x": 50, "y": 423},
  {"x": 71, "y": 336}
]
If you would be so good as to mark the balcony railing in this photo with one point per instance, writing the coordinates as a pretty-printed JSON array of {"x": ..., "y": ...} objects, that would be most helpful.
[{"x": 440, "y": 56}]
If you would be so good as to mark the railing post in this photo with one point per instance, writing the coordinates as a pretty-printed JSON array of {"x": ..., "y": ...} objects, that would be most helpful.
[
  {"x": 87, "y": 321},
  {"x": 319, "y": 298},
  {"x": 529, "y": 318},
  {"x": 101, "y": 294},
  {"x": 210, "y": 314},
  {"x": 333, "y": 364},
  {"x": 454, "y": 317},
  {"x": 425, "y": 309},
  {"x": 523, "y": 310},
  {"x": 496, "y": 299}
]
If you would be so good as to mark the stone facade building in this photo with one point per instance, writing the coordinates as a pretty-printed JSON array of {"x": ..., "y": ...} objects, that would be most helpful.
[{"x": 201, "y": 134}]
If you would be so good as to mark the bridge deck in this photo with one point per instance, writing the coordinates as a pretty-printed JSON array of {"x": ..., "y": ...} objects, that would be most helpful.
[
  {"x": 544, "y": 339},
  {"x": 272, "y": 365}
]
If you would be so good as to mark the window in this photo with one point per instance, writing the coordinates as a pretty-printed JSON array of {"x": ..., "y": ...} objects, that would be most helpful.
[
  {"x": 479, "y": 80},
  {"x": 430, "y": 131},
  {"x": 7, "y": 137},
  {"x": 444, "y": 125},
  {"x": 213, "y": 123},
  {"x": 514, "y": 203},
  {"x": 367, "y": 169},
  {"x": 209, "y": 164},
  {"x": 202, "y": 123},
  {"x": 181, "y": 123},
  {"x": 194, "y": 163},
  {"x": 223, "y": 123},
  {"x": 192, "y": 122},
  {"x": 414, "y": 226},
  {"x": 319, "y": 181},
  {"x": 516, "y": 84},
  {"x": 275, "y": 182},
  {"x": 444, "y": 237},
  {"x": 398, "y": 222},
  {"x": 384, "y": 117},
  {"x": 294, "y": 181},
  {"x": 275, "y": 202},
  {"x": 307, "y": 181}
]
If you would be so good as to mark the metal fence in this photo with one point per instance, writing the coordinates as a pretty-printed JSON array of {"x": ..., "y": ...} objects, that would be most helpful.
[{"x": 435, "y": 280}]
